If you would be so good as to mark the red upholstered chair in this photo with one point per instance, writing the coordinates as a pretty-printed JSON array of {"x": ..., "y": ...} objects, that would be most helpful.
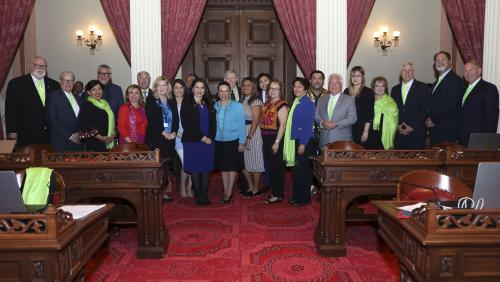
[
  {"x": 427, "y": 185},
  {"x": 344, "y": 145},
  {"x": 57, "y": 186}
]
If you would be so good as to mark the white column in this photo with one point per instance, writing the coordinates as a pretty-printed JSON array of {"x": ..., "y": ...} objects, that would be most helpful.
[
  {"x": 145, "y": 37},
  {"x": 491, "y": 44},
  {"x": 331, "y": 37}
]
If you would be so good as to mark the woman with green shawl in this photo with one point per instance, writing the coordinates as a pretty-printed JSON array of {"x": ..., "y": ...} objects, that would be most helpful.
[
  {"x": 385, "y": 118},
  {"x": 96, "y": 113}
]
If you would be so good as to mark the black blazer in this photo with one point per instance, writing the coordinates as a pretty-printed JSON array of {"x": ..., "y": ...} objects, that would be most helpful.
[
  {"x": 154, "y": 138},
  {"x": 24, "y": 111},
  {"x": 479, "y": 112},
  {"x": 364, "y": 112},
  {"x": 62, "y": 121},
  {"x": 444, "y": 108},
  {"x": 190, "y": 118},
  {"x": 91, "y": 117}
]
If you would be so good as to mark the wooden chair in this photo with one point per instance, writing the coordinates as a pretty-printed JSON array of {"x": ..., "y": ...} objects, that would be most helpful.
[
  {"x": 37, "y": 149},
  {"x": 57, "y": 186},
  {"x": 130, "y": 147},
  {"x": 425, "y": 185},
  {"x": 344, "y": 145}
]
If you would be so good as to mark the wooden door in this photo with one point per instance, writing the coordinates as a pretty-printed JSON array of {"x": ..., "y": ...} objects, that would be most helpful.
[{"x": 247, "y": 40}]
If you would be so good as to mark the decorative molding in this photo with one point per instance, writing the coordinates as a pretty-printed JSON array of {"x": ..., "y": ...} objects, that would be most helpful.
[
  {"x": 335, "y": 155},
  {"x": 207, "y": 41},
  {"x": 271, "y": 40}
]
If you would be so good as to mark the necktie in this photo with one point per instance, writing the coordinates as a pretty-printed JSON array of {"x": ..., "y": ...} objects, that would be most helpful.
[
  {"x": 41, "y": 91},
  {"x": 404, "y": 92},
  {"x": 467, "y": 92},
  {"x": 232, "y": 95},
  {"x": 74, "y": 104},
  {"x": 437, "y": 83},
  {"x": 145, "y": 94},
  {"x": 330, "y": 107}
]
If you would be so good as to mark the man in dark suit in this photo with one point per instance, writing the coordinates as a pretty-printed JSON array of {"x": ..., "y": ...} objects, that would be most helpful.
[
  {"x": 25, "y": 105},
  {"x": 113, "y": 93},
  {"x": 144, "y": 80},
  {"x": 444, "y": 102},
  {"x": 479, "y": 105},
  {"x": 62, "y": 115},
  {"x": 231, "y": 77},
  {"x": 411, "y": 96}
]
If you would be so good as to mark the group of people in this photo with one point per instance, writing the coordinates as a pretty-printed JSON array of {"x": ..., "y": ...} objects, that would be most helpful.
[{"x": 249, "y": 131}]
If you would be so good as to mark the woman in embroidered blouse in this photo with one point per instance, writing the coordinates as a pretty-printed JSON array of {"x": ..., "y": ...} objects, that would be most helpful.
[
  {"x": 385, "y": 119},
  {"x": 272, "y": 127},
  {"x": 298, "y": 144},
  {"x": 96, "y": 113},
  {"x": 162, "y": 123},
  {"x": 230, "y": 139},
  {"x": 132, "y": 121}
]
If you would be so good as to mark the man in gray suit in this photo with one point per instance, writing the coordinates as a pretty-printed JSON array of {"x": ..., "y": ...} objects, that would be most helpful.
[{"x": 335, "y": 113}]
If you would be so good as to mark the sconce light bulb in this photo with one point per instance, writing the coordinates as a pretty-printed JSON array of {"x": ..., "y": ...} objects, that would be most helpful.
[
  {"x": 376, "y": 35},
  {"x": 384, "y": 29},
  {"x": 396, "y": 34},
  {"x": 99, "y": 33},
  {"x": 79, "y": 33},
  {"x": 92, "y": 28}
]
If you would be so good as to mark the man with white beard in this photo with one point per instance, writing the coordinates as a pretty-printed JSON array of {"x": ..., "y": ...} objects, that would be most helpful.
[{"x": 445, "y": 101}]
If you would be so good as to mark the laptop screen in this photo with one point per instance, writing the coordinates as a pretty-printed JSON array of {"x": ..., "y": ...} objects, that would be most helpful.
[
  {"x": 484, "y": 141},
  {"x": 11, "y": 200},
  {"x": 487, "y": 184}
]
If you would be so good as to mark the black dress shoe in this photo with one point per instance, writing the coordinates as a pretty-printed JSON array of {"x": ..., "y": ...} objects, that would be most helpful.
[
  {"x": 300, "y": 204},
  {"x": 291, "y": 201},
  {"x": 250, "y": 194},
  {"x": 166, "y": 198},
  {"x": 273, "y": 200}
]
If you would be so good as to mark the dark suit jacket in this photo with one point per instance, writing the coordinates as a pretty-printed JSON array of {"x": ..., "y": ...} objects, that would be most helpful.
[
  {"x": 24, "y": 111},
  {"x": 364, "y": 112},
  {"x": 240, "y": 93},
  {"x": 154, "y": 137},
  {"x": 91, "y": 117},
  {"x": 444, "y": 108},
  {"x": 190, "y": 118},
  {"x": 479, "y": 112},
  {"x": 62, "y": 121},
  {"x": 114, "y": 95},
  {"x": 413, "y": 113}
]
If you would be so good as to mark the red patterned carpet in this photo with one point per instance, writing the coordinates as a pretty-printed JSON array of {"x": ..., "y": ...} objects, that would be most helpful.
[{"x": 246, "y": 240}]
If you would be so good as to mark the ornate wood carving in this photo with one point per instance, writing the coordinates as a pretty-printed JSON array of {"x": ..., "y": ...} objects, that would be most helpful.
[
  {"x": 89, "y": 158},
  {"x": 474, "y": 155},
  {"x": 16, "y": 226},
  {"x": 468, "y": 221},
  {"x": 447, "y": 264},
  {"x": 392, "y": 155},
  {"x": 39, "y": 269},
  {"x": 216, "y": 32},
  {"x": 17, "y": 160}
]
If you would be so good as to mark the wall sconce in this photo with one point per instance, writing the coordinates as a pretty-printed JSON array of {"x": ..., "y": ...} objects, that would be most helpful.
[
  {"x": 383, "y": 43},
  {"x": 93, "y": 42}
]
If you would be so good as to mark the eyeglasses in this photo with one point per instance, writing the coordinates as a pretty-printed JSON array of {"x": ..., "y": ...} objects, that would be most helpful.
[
  {"x": 37, "y": 66},
  {"x": 104, "y": 73}
]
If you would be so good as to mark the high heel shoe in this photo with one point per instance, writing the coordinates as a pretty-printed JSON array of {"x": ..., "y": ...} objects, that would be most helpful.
[
  {"x": 226, "y": 199},
  {"x": 273, "y": 200}
]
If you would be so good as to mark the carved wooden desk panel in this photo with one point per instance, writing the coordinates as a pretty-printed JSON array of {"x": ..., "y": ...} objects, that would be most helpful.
[
  {"x": 50, "y": 246},
  {"x": 439, "y": 245},
  {"x": 463, "y": 163},
  {"x": 133, "y": 177},
  {"x": 346, "y": 175}
]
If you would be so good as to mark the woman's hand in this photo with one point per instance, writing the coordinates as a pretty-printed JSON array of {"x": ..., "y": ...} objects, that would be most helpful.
[
  {"x": 364, "y": 136},
  {"x": 275, "y": 148},
  {"x": 241, "y": 147},
  {"x": 206, "y": 140},
  {"x": 300, "y": 149}
]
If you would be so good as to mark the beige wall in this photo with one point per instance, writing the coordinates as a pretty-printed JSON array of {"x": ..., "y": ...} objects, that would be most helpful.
[
  {"x": 419, "y": 23},
  {"x": 56, "y": 24}
]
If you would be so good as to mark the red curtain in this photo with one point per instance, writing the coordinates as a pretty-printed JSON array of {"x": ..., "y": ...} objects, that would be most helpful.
[
  {"x": 14, "y": 16},
  {"x": 358, "y": 12},
  {"x": 179, "y": 22},
  {"x": 298, "y": 20},
  {"x": 118, "y": 15},
  {"x": 466, "y": 18}
]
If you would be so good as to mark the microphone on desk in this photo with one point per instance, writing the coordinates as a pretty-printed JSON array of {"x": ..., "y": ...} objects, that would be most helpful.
[{"x": 433, "y": 189}]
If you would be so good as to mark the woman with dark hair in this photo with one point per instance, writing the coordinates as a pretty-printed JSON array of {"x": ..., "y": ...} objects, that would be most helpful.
[
  {"x": 180, "y": 93},
  {"x": 230, "y": 138},
  {"x": 132, "y": 121},
  {"x": 299, "y": 143},
  {"x": 364, "y": 99},
  {"x": 272, "y": 126},
  {"x": 162, "y": 123},
  {"x": 254, "y": 159},
  {"x": 96, "y": 113},
  {"x": 385, "y": 119},
  {"x": 198, "y": 120},
  {"x": 263, "y": 81}
]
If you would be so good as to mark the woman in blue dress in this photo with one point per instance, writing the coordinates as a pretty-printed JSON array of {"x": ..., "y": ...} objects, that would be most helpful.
[{"x": 198, "y": 121}]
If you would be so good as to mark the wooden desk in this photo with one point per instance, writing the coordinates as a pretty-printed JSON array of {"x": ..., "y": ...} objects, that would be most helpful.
[
  {"x": 463, "y": 163},
  {"x": 346, "y": 175},
  {"x": 49, "y": 246},
  {"x": 133, "y": 177},
  {"x": 438, "y": 245}
]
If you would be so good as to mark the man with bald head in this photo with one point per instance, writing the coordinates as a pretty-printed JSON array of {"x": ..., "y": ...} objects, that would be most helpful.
[
  {"x": 479, "y": 113},
  {"x": 25, "y": 105},
  {"x": 335, "y": 113}
]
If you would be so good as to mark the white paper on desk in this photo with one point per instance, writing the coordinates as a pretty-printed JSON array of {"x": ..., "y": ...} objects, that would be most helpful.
[
  {"x": 80, "y": 211},
  {"x": 410, "y": 208}
]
